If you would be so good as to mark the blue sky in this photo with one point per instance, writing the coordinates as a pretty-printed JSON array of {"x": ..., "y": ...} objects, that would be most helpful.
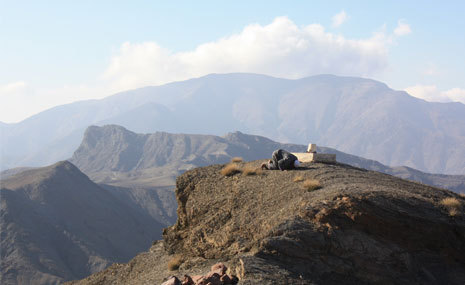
[{"x": 56, "y": 52}]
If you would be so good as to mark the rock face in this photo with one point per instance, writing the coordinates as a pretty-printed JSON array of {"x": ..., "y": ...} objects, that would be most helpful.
[
  {"x": 57, "y": 225},
  {"x": 361, "y": 227}
]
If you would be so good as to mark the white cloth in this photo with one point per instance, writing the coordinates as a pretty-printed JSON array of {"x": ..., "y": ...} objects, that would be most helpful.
[{"x": 296, "y": 163}]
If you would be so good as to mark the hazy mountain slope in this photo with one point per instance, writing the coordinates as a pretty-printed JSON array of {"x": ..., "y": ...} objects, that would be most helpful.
[
  {"x": 115, "y": 155},
  {"x": 361, "y": 227},
  {"x": 455, "y": 183},
  {"x": 55, "y": 151},
  {"x": 13, "y": 171},
  {"x": 355, "y": 115},
  {"x": 146, "y": 119},
  {"x": 25, "y": 140},
  {"x": 57, "y": 225}
]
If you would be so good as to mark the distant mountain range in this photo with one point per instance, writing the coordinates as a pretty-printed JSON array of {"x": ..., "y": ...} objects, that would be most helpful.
[
  {"x": 56, "y": 224},
  {"x": 355, "y": 115},
  {"x": 114, "y": 155}
]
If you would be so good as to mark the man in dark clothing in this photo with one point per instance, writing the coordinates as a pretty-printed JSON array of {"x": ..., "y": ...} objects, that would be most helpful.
[{"x": 282, "y": 160}]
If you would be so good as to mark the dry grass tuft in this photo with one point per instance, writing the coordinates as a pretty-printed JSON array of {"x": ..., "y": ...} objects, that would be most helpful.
[
  {"x": 237, "y": 159},
  {"x": 250, "y": 170},
  {"x": 175, "y": 262},
  {"x": 231, "y": 169},
  {"x": 298, "y": 178},
  {"x": 452, "y": 205},
  {"x": 311, "y": 184}
]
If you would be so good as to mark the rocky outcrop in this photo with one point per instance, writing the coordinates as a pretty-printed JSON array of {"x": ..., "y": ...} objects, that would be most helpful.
[
  {"x": 216, "y": 276},
  {"x": 361, "y": 227}
]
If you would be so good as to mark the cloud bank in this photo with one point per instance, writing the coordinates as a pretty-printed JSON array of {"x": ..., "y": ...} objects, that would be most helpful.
[{"x": 280, "y": 49}]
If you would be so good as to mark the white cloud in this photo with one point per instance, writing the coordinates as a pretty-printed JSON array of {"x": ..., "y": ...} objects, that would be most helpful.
[
  {"x": 279, "y": 49},
  {"x": 402, "y": 28},
  {"x": 12, "y": 88},
  {"x": 455, "y": 94},
  {"x": 432, "y": 94},
  {"x": 426, "y": 92},
  {"x": 339, "y": 19}
]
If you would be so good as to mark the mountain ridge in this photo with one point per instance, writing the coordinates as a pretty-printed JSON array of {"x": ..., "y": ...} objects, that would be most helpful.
[
  {"x": 102, "y": 156},
  {"x": 355, "y": 115}
]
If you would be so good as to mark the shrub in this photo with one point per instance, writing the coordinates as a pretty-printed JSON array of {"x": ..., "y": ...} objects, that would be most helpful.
[
  {"x": 311, "y": 184},
  {"x": 231, "y": 169},
  {"x": 250, "y": 170},
  {"x": 174, "y": 263},
  {"x": 299, "y": 178},
  {"x": 236, "y": 159},
  {"x": 452, "y": 205}
]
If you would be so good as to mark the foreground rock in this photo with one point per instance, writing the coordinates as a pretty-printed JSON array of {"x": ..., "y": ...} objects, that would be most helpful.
[
  {"x": 360, "y": 227},
  {"x": 216, "y": 276}
]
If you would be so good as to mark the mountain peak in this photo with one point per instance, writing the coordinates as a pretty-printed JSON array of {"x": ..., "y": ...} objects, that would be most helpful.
[
  {"x": 60, "y": 171},
  {"x": 111, "y": 128},
  {"x": 65, "y": 165}
]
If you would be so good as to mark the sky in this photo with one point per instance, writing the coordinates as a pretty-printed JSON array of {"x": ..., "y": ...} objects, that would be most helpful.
[{"x": 58, "y": 52}]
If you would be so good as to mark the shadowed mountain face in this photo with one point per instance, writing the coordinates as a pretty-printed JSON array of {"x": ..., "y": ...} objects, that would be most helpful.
[
  {"x": 354, "y": 115},
  {"x": 114, "y": 155},
  {"x": 58, "y": 225},
  {"x": 361, "y": 227}
]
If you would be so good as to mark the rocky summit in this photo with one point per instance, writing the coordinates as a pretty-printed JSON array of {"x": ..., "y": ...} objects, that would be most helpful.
[{"x": 320, "y": 224}]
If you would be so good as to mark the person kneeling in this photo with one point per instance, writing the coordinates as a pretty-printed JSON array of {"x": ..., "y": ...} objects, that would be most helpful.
[{"x": 282, "y": 160}]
